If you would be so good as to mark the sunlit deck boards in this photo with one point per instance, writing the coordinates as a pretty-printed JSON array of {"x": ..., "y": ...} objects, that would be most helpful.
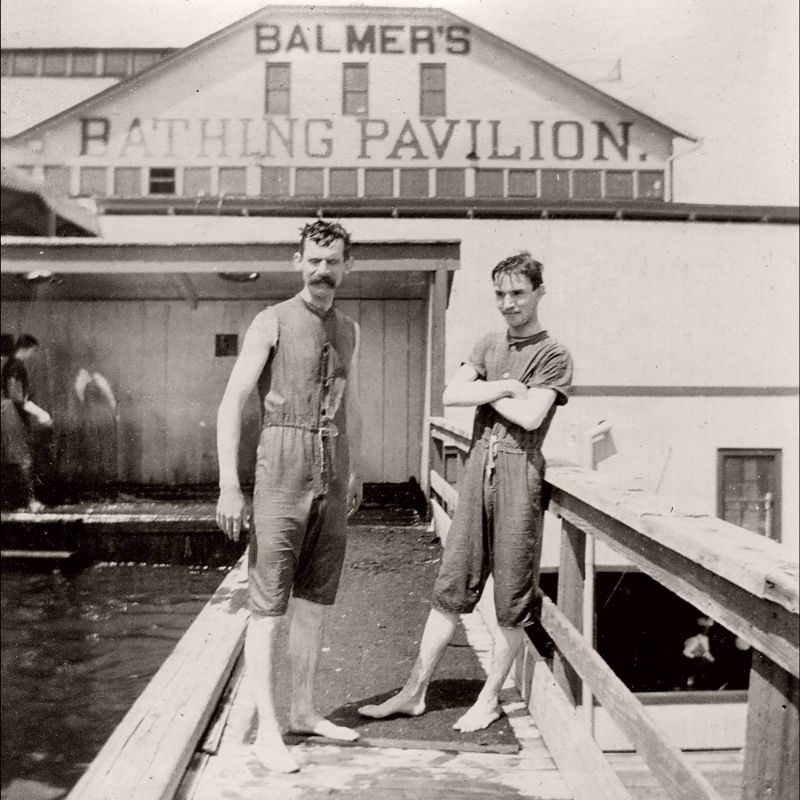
[{"x": 390, "y": 773}]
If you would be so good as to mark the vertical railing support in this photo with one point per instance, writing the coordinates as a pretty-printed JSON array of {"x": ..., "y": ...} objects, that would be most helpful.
[
  {"x": 571, "y": 568},
  {"x": 771, "y": 746}
]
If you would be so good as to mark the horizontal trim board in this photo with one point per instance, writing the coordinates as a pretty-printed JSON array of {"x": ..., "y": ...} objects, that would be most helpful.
[
  {"x": 499, "y": 208},
  {"x": 684, "y": 391}
]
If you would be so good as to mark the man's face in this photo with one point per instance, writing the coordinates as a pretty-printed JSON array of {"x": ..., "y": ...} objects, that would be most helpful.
[
  {"x": 26, "y": 353},
  {"x": 323, "y": 267},
  {"x": 516, "y": 299}
]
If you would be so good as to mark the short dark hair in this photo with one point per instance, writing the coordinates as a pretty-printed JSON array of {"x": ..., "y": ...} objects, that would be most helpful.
[
  {"x": 25, "y": 341},
  {"x": 325, "y": 233},
  {"x": 522, "y": 263}
]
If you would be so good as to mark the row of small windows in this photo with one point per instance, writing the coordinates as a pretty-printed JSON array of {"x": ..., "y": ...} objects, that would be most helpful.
[
  {"x": 355, "y": 89},
  {"x": 344, "y": 182},
  {"x": 78, "y": 63}
]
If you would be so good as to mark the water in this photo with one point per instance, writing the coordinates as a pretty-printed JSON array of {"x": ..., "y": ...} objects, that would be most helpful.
[{"x": 76, "y": 652}]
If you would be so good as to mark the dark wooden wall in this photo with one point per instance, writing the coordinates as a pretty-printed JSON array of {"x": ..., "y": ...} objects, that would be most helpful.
[{"x": 159, "y": 358}]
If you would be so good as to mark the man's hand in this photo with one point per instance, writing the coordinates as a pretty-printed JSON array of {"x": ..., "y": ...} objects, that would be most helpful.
[
  {"x": 355, "y": 494},
  {"x": 232, "y": 512}
]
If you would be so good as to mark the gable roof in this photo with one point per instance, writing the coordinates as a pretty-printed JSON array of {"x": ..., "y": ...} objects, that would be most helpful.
[{"x": 192, "y": 50}]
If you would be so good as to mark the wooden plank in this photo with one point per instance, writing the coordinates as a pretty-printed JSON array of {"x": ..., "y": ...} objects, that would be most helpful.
[
  {"x": 42, "y": 555},
  {"x": 769, "y": 627},
  {"x": 448, "y": 433},
  {"x": 763, "y": 567},
  {"x": 580, "y": 762},
  {"x": 446, "y": 746},
  {"x": 395, "y": 393},
  {"x": 146, "y": 755},
  {"x": 438, "y": 300},
  {"x": 653, "y": 743},
  {"x": 571, "y": 574},
  {"x": 153, "y": 383},
  {"x": 371, "y": 374},
  {"x": 213, "y": 735},
  {"x": 771, "y": 749},
  {"x": 416, "y": 384},
  {"x": 447, "y": 492}
]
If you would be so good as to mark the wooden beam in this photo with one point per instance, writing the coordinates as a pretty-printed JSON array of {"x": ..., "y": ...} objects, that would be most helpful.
[
  {"x": 580, "y": 761},
  {"x": 448, "y": 494},
  {"x": 438, "y": 299},
  {"x": 771, "y": 748},
  {"x": 767, "y": 626},
  {"x": 677, "y": 775},
  {"x": 441, "y": 521},
  {"x": 571, "y": 576}
]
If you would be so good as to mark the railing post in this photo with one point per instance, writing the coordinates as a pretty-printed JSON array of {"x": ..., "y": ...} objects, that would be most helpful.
[
  {"x": 771, "y": 746},
  {"x": 571, "y": 567}
]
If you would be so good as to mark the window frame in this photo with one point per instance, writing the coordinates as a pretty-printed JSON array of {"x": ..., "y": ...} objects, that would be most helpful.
[
  {"x": 162, "y": 179},
  {"x": 268, "y": 90},
  {"x": 776, "y": 454},
  {"x": 423, "y": 92},
  {"x": 347, "y": 92}
]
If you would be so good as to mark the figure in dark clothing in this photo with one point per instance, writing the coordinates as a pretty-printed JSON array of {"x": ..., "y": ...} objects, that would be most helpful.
[{"x": 18, "y": 414}]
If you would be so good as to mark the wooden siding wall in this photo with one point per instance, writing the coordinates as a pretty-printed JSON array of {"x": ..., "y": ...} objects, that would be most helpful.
[{"x": 159, "y": 359}]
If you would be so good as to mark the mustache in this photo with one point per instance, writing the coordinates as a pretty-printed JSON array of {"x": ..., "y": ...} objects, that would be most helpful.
[{"x": 323, "y": 279}]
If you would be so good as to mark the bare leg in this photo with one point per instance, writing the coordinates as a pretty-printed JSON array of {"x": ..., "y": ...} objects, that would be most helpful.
[
  {"x": 259, "y": 652},
  {"x": 305, "y": 637},
  {"x": 410, "y": 700},
  {"x": 486, "y": 708}
]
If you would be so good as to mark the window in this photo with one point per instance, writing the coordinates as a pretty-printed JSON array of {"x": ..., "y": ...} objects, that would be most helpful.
[
  {"x": 432, "y": 100},
  {"x": 57, "y": 178},
  {"x": 54, "y": 64},
  {"x": 226, "y": 344},
  {"x": 414, "y": 183},
  {"x": 162, "y": 180},
  {"x": 522, "y": 183},
  {"x": 115, "y": 63},
  {"x": 651, "y": 184},
  {"x": 278, "y": 89},
  {"x": 127, "y": 182},
  {"x": 309, "y": 182},
  {"x": 93, "y": 182},
  {"x": 450, "y": 183},
  {"x": 488, "y": 183},
  {"x": 587, "y": 184},
  {"x": 344, "y": 182},
  {"x": 274, "y": 181},
  {"x": 619, "y": 184},
  {"x": 232, "y": 180},
  {"x": 355, "y": 89},
  {"x": 84, "y": 63},
  {"x": 555, "y": 184},
  {"x": 196, "y": 181},
  {"x": 749, "y": 490},
  {"x": 25, "y": 64},
  {"x": 378, "y": 183}
]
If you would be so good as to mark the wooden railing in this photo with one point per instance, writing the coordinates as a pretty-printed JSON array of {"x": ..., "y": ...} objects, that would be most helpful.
[{"x": 743, "y": 581}]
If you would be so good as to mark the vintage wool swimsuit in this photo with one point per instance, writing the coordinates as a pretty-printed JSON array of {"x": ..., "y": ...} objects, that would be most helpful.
[
  {"x": 302, "y": 463},
  {"x": 497, "y": 526}
]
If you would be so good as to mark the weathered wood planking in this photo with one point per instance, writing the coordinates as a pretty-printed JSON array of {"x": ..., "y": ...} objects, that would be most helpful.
[
  {"x": 415, "y": 391},
  {"x": 147, "y": 754},
  {"x": 371, "y": 376},
  {"x": 653, "y": 744},
  {"x": 395, "y": 392},
  {"x": 580, "y": 761}
]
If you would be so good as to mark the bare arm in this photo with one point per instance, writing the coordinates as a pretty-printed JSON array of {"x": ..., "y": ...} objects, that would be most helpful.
[
  {"x": 261, "y": 336},
  {"x": 466, "y": 390},
  {"x": 528, "y": 412},
  {"x": 354, "y": 429}
]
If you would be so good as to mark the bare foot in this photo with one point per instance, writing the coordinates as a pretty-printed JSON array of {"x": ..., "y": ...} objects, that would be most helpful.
[
  {"x": 403, "y": 703},
  {"x": 273, "y": 753},
  {"x": 477, "y": 718},
  {"x": 323, "y": 727},
  {"x": 35, "y": 506}
]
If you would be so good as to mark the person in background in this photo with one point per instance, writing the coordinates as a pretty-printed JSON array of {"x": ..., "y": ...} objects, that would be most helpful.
[
  {"x": 516, "y": 378},
  {"x": 301, "y": 355},
  {"x": 19, "y": 413}
]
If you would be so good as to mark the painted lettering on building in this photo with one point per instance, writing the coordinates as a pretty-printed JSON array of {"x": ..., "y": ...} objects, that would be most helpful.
[
  {"x": 430, "y": 40},
  {"x": 361, "y": 138}
]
